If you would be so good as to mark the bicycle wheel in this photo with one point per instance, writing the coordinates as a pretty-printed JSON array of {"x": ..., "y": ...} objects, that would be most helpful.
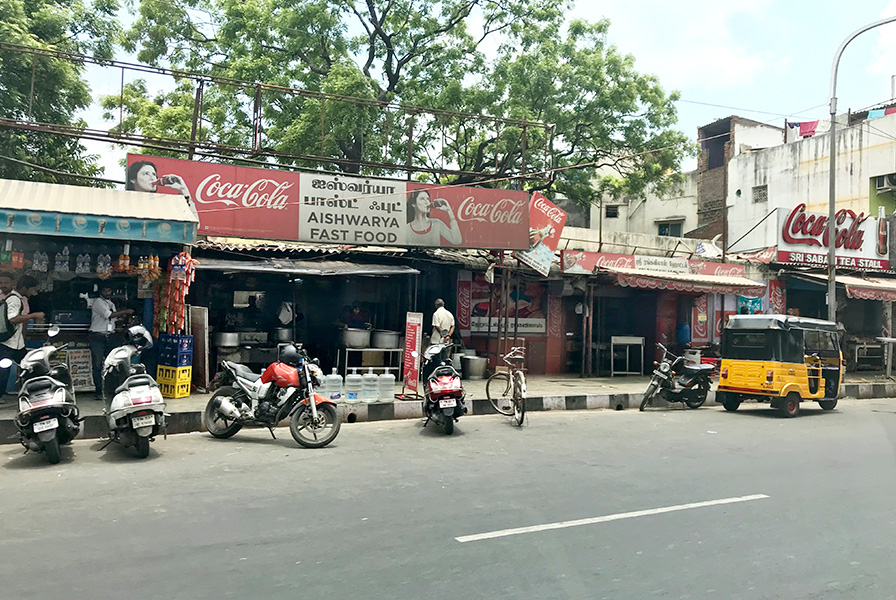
[
  {"x": 498, "y": 391},
  {"x": 519, "y": 398}
]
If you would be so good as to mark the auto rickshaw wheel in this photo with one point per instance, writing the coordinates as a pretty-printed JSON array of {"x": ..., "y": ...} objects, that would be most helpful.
[
  {"x": 790, "y": 406},
  {"x": 730, "y": 401},
  {"x": 828, "y": 404}
]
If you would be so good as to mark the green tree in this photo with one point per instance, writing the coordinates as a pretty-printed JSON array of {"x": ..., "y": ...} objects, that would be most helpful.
[
  {"x": 605, "y": 127},
  {"x": 48, "y": 89}
]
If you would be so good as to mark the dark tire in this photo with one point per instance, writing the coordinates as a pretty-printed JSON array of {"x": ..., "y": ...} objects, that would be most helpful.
[
  {"x": 321, "y": 433},
  {"x": 216, "y": 424},
  {"x": 790, "y": 406},
  {"x": 730, "y": 402},
  {"x": 141, "y": 448},
  {"x": 448, "y": 425},
  {"x": 519, "y": 399},
  {"x": 703, "y": 390},
  {"x": 500, "y": 393},
  {"x": 52, "y": 450},
  {"x": 828, "y": 404},
  {"x": 648, "y": 395}
]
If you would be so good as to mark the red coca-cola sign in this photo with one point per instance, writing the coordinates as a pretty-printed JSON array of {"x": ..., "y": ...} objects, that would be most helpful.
[
  {"x": 229, "y": 200},
  {"x": 464, "y": 302},
  {"x": 484, "y": 218},
  {"x": 811, "y": 229}
]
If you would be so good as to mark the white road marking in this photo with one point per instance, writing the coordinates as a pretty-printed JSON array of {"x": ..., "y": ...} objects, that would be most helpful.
[{"x": 606, "y": 518}]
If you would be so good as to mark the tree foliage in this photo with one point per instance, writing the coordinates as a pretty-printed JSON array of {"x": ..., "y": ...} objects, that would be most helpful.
[
  {"x": 509, "y": 59},
  {"x": 48, "y": 89}
]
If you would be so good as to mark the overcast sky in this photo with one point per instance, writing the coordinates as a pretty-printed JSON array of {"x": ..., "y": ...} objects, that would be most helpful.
[{"x": 766, "y": 59}]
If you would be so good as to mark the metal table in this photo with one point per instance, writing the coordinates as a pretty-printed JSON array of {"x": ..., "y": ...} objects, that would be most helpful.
[
  {"x": 342, "y": 355},
  {"x": 627, "y": 342},
  {"x": 888, "y": 355}
]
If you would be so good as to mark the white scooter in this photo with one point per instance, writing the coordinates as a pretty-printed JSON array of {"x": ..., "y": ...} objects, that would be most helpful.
[
  {"x": 135, "y": 409},
  {"x": 48, "y": 415}
]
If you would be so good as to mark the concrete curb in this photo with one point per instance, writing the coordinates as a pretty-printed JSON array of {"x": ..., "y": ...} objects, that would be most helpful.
[{"x": 94, "y": 426}]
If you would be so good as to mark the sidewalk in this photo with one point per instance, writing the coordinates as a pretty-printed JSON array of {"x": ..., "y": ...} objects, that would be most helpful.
[{"x": 545, "y": 392}]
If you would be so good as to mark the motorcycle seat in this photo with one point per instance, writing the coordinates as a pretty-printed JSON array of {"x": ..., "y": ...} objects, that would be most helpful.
[
  {"x": 699, "y": 368},
  {"x": 38, "y": 385},
  {"x": 245, "y": 372},
  {"x": 134, "y": 381}
]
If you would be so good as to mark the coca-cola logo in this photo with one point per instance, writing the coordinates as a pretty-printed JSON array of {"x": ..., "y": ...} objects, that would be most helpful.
[
  {"x": 716, "y": 269},
  {"x": 552, "y": 212},
  {"x": 802, "y": 228},
  {"x": 618, "y": 262},
  {"x": 464, "y": 304},
  {"x": 505, "y": 211},
  {"x": 262, "y": 193}
]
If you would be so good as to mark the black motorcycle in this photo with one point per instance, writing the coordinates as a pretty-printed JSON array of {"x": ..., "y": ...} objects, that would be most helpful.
[
  {"x": 443, "y": 391},
  {"x": 691, "y": 387}
]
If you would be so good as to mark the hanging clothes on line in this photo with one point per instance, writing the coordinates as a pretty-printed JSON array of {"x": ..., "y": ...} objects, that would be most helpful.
[
  {"x": 807, "y": 128},
  {"x": 876, "y": 113}
]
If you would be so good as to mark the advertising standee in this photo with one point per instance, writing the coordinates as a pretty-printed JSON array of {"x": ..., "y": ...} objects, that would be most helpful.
[
  {"x": 546, "y": 221},
  {"x": 413, "y": 332}
]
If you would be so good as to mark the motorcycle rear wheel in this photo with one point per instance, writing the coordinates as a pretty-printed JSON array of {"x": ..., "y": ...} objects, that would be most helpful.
[
  {"x": 141, "y": 448},
  {"x": 701, "y": 398},
  {"x": 322, "y": 433},
  {"x": 214, "y": 422},
  {"x": 448, "y": 425},
  {"x": 52, "y": 450}
]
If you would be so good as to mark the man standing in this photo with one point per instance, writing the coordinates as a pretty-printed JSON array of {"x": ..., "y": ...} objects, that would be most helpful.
[
  {"x": 17, "y": 314},
  {"x": 102, "y": 326},
  {"x": 442, "y": 320}
]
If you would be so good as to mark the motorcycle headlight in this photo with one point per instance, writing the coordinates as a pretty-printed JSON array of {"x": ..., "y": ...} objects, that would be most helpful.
[
  {"x": 317, "y": 374},
  {"x": 665, "y": 367}
]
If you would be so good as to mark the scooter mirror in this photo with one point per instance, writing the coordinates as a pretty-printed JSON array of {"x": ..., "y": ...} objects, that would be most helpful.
[
  {"x": 5, "y": 363},
  {"x": 53, "y": 331},
  {"x": 414, "y": 353}
]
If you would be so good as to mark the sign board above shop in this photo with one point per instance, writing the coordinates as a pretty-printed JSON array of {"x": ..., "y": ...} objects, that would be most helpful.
[
  {"x": 861, "y": 241},
  {"x": 332, "y": 208}
]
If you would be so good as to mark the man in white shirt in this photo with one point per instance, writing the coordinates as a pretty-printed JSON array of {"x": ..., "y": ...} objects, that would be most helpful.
[
  {"x": 17, "y": 312},
  {"x": 102, "y": 326},
  {"x": 442, "y": 320}
]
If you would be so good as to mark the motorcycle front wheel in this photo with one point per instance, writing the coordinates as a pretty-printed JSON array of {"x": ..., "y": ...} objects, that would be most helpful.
[
  {"x": 648, "y": 395},
  {"x": 214, "y": 421},
  {"x": 315, "y": 434}
]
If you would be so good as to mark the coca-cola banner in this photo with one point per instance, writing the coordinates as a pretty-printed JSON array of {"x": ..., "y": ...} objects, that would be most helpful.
[
  {"x": 861, "y": 241},
  {"x": 700, "y": 329},
  {"x": 776, "y": 298},
  {"x": 341, "y": 209},
  {"x": 464, "y": 302},
  {"x": 546, "y": 222},
  {"x": 229, "y": 200},
  {"x": 439, "y": 215},
  {"x": 581, "y": 262}
]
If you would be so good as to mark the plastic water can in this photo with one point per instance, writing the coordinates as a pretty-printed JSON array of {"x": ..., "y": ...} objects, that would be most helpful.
[
  {"x": 353, "y": 387},
  {"x": 369, "y": 386},
  {"x": 333, "y": 386},
  {"x": 386, "y": 387}
]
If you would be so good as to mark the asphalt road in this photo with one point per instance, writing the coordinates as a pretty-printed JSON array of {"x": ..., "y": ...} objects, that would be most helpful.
[{"x": 378, "y": 514}]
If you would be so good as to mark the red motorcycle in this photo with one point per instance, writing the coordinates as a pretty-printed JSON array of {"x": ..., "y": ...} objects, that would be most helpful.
[{"x": 284, "y": 390}]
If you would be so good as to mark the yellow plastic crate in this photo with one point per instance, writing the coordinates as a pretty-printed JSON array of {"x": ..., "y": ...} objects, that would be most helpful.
[
  {"x": 174, "y": 390},
  {"x": 174, "y": 376}
]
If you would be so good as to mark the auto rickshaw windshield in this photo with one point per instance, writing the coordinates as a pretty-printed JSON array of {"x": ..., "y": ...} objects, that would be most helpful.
[{"x": 763, "y": 344}]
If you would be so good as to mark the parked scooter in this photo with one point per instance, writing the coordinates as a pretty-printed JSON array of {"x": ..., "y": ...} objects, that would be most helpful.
[
  {"x": 135, "y": 409},
  {"x": 285, "y": 389},
  {"x": 691, "y": 388},
  {"x": 48, "y": 415},
  {"x": 443, "y": 391}
]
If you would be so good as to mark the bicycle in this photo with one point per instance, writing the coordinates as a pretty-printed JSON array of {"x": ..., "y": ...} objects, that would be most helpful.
[{"x": 506, "y": 390}]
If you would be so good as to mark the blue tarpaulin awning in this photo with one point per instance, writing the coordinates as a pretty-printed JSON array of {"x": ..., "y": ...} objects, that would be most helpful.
[{"x": 30, "y": 207}]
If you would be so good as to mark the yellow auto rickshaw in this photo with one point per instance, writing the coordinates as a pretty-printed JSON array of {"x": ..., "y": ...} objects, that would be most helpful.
[{"x": 779, "y": 359}]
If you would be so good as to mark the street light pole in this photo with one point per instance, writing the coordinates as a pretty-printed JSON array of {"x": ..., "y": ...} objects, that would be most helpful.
[{"x": 832, "y": 208}]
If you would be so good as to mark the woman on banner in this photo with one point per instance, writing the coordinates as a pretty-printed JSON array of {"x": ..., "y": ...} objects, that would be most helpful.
[
  {"x": 143, "y": 177},
  {"x": 423, "y": 230}
]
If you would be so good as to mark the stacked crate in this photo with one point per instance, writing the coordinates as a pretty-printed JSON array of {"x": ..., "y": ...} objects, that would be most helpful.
[{"x": 175, "y": 371}]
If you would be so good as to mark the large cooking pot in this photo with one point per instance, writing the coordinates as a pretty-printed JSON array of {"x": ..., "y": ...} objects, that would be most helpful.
[
  {"x": 356, "y": 338},
  {"x": 227, "y": 339},
  {"x": 283, "y": 334},
  {"x": 385, "y": 339}
]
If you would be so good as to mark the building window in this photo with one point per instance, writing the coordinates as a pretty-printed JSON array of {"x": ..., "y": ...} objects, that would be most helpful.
[
  {"x": 670, "y": 229},
  {"x": 760, "y": 193},
  {"x": 611, "y": 211}
]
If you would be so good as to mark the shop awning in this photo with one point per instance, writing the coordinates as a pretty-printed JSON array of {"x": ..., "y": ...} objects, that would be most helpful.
[
  {"x": 303, "y": 267},
  {"x": 859, "y": 287},
  {"x": 30, "y": 207},
  {"x": 686, "y": 282}
]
